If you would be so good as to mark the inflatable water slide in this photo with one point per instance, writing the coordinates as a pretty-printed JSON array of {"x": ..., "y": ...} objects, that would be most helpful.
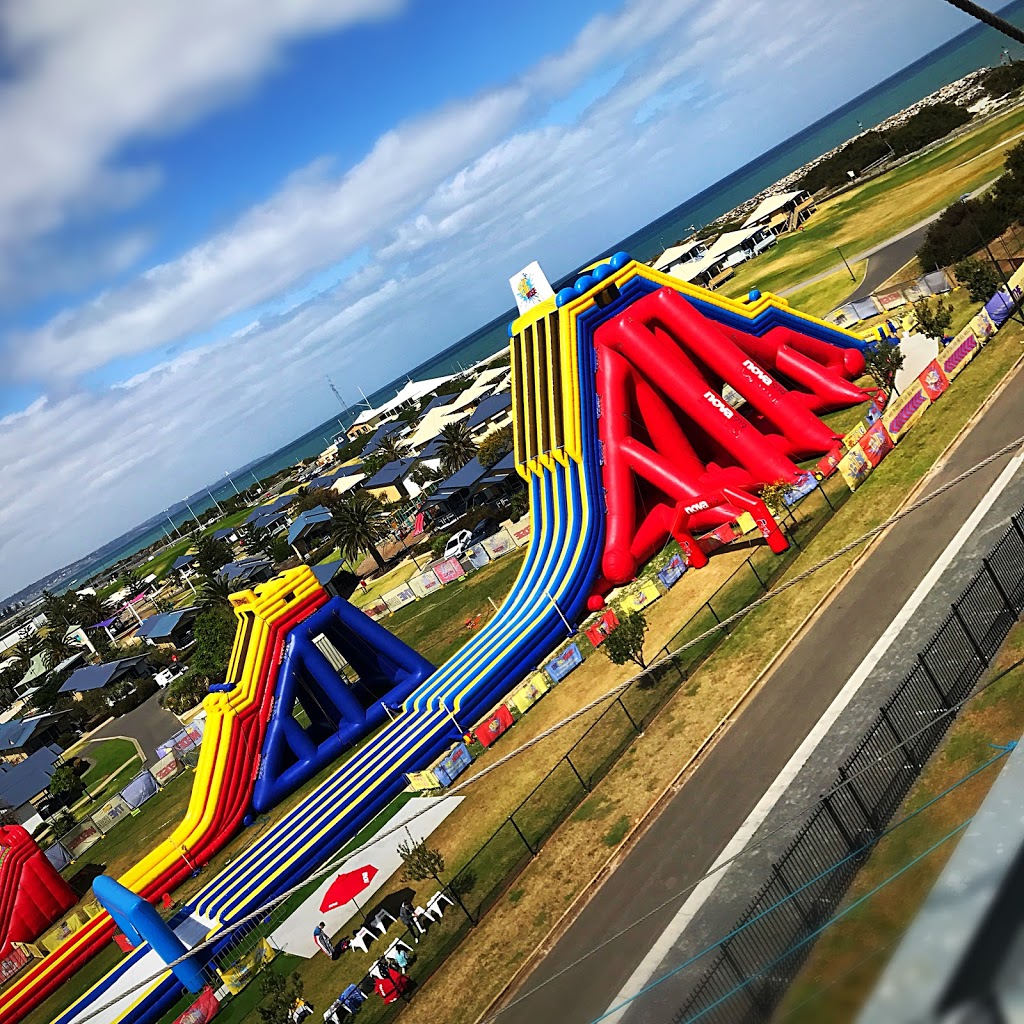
[{"x": 644, "y": 409}]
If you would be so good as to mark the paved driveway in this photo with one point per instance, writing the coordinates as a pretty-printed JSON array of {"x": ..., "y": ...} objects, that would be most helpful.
[{"x": 149, "y": 723}]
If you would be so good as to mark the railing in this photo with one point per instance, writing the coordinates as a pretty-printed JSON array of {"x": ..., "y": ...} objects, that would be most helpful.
[{"x": 768, "y": 944}]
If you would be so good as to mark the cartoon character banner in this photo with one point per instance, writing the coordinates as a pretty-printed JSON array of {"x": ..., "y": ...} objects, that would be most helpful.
[
  {"x": 529, "y": 693},
  {"x": 876, "y": 444},
  {"x": 647, "y": 594},
  {"x": 854, "y": 468},
  {"x": 449, "y": 570},
  {"x": 453, "y": 764},
  {"x": 202, "y": 1010},
  {"x": 597, "y": 631},
  {"x": 827, "y": 464},
  {"x": 958, "y": 353},
  {"x": 490, "y": 729},
  {"x": 672, "y": 573},
  {"x": 933, "y": 380},
  {"x": 558, "y": 668},
  {"x": 246, "y": 967},
  {"x": 854, "y": 435}
]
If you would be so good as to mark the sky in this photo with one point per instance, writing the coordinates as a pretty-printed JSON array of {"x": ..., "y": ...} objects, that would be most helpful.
[{"x": 207, "y": 205}]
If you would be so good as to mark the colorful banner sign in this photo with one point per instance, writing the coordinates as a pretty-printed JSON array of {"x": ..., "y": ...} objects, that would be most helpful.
[
  {"x": 854, "y": 468},
  {"x": 399, "y": 597},
  {"x": 983, "y": 326},
  {"x": 529, "y": 693},
  {"x": 876, "y": 444},
  {"x": 933, "y": 380},
  {"x": 111, "y": 812},
  {"x": 243, "y": 970},
  {"x": 425, "y": 583},
  {"x": 493, "y": 726},
  {"x": 498, "y": 544},
  {"x": 647, "y": 594},
  {"x": 12, "y": 963},
  {"x": 202, "y": 1010},
  {"x": 422, "y": 781},
  {"x": 827, "y": 465},
  {"x": 672, "y": 573},
  {"x": 453, "y": 764},
  {"x": 81, "y": 837},
  {"x": 166, "y": 768},
  {"x": 598, "y": 630},
  {"x": 449, "y": 570},
  {"x": 807, "y": 483},
  {"x": 558, "y": 668},
  {"x": 873, "y": 415},
  {"x": 520, "y": 532},
  {"x": 854, "y": 435},
  {"x": 958, "y": 353},
  {"x": 891, "y": 300},
  {"x": 375, "y": 609},
  {"x": 477, "y": 556},
  {"x": 905, "y": 410}
]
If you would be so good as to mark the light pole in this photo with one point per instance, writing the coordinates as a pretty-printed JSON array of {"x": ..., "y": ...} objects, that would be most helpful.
[
  {"x": 232, "y": 482},
  {"x": 853, "y": 276},
  {"x": 189, "y": 507},
  {"x": 1014, "y": 305},
  {"x": 259, "y": 489},
  {"x": 215, "y": 501},
  {"x": 173, "y": 527}
]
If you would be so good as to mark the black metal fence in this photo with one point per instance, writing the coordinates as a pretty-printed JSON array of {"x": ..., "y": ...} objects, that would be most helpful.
[{"x": 755, "y": 965}]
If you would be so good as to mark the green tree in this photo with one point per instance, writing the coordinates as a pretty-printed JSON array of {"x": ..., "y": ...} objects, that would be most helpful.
[
  {"x": 980, "y": 278},
  {"x": 933, "y": 318},
  {"x": 64, "y": 781},
  {"x": 213, "y": 591},
  {"x": 390, "y": 449},
  {"x": 30, "y": 643},
  {"x": 420, "y": 861},
  {"x": 212, "y": 554},
  {"x": 7, "y": 814},
  {"x": 519, "y": 505},
  {"x": 57, "y": 647},
  {"x": 626, "y": 642},
  {"x": 494, "y": 447},
  {"x": 884, "y": 360},
  {"x": 215, "y": 636},
  {"x": 61, "y": 610},
  {"x": 455, "y": 446},
  {"x": 360, "y": 521},
  {"x": 422, "y": 476},
  {"x": 278, "y": 996},
  {"x": 438, "y": 543},
  {"x": 185, "y": 693}
]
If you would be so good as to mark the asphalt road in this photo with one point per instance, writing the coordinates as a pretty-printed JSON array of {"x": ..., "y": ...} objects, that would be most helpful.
[
  {"x": 886, "y": 262},
  {"x": 149, "y": 723},
  {"x": 701, "y": 819}
]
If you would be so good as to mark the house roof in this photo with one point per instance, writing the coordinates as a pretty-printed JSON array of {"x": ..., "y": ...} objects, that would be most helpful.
[
  {"x": 19, "y": 783},
  {"x": 279, "y": 504},
  {"x": 183, "y": 561},
  {"x": 499, "y": 471},
  {"x": 769, "y": 205},
  {"x": 240, "y": 571},
  {"x": 326, "y": 571},
  {"x": 465, "y": 477},
  {"x": 491, "y": 406},
  {"x": 224, "y": 532},
  {"x": 306, "y": 521},
  {"x": 328, "y": 479},
  {"x": 436, "y": 403},
  {"x": 432, "y": 449},
  {"x": 674, "y": 252},
  {"x": 411, "y": 390},
  {"x": 15, "y": 734},
  {"x": 95, "y": 677},
  {"x": 385, "y": 430},
  {"x": 36, "y": 669},
  {"x": 730, "y": 240},
  {"x": 162, "y": 626},
  {"x": 265, "y": 522},
  {"x": 390, "y": 474},
  {"x": 67, "y": 662}
]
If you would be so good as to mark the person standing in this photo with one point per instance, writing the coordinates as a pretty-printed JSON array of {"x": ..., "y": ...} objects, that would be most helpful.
[
  {"x": 407, "y": 917},
  {"x": 323, "y": 940}
]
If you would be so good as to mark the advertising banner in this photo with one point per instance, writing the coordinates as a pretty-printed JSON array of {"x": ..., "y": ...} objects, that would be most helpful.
[
  {"x": 498, "y": 544},
  {"x": 854, "y": 468},
  {"x": 530, "y": 287},
  {"x": 891, "y": 300},
  {"x": 958, "y": 353},
  {"x": 422, "y": 781},
  {"x": 933, "y": 380},
  {"x": 80, "y": 838},
  {"x": 647, "y": 594},
  {"x": 12, "y": 963},
  {"x": 57, "y": 936},
  {"x": 453, "y": 764},
  {"x": 529, "y": 693},
  {"x": 905, "y": 410},
  {"x": 139, "y": 790},
  {"x": 425, "y": 583},
  {"x": 827, "y": 464},
  {"x": 243, "y": 970},
  {"x": 807, "y": 483},
  {"x": 58, "y": 856},
  {"x": 399, "y": 597},
  {"x": 854, "y": 435},
  {"x": 983, "y": 326},
  {"x": 165, "y": 769},
  {"x": 746, "y": 523},
  {"x": 873, "y": 415},
  {"x": 477, "y": 556},
  {"x": 598, "y": 630},
  {"x": 492, "y": 727},
  {"x": 203, "y": 1009},
  {"x": 375, "y": 609},
  {"x": 558, "y": 668},
  {"x": 672, "y": 573},
  {"x": 111, "y": 812},
  {"x": 520, "y": 532},
  {"x": 876, "y": 444},
  {"x": 449, "y": 570}
]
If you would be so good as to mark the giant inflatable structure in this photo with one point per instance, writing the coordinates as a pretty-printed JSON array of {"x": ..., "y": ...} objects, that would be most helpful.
[{"x": 625, "y": 436}]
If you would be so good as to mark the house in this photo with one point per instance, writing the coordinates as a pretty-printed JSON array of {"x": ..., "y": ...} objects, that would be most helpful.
[
  {"x": 393, "y": 482},
  {"x": 335, "y": 578},
  {"x": 279, "y": 504},
  {"x": 676, "y": 255},
  {"x": 330, "y": 479},
  {"x": 497, "y": 378},
  {"x": 23, "y": 786},
  {"x": 411, "y": 393},
  {"x": 432, "y": 423},
  {"x": 493, "y": 413},
  {"x": 392, "y": 428},
  {"x": 20, "y": 738},
  {"x": 185, "y": 564},
  {"x": 110, "y": 674},
  {"x": 228, "y": 533},
  {"x": 247, "y": 572},
  {"x": 437, "y": 402},
  {"x": 272, "y": 523},
  {"x": 309, "y": 529},
  {"x": 453, "y": 495},
  {"x": 704, "y": 271},
  {"x": 735, "y": 247},
  {"x": 172, "y": 628},
  {"x": 785, "y": 211},
  {"x": 500, "y": 480}
]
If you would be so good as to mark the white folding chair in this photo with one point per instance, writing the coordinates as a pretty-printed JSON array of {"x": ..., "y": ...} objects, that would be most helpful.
[
  {"x": 362, "y": 939},
  {"x": 434, "y": 903}
]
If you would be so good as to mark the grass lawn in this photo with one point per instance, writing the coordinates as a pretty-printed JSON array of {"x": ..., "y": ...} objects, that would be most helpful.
[
  {"x": 107, "y": 756},
  {"x": 963, "y": 309},
  {"x": 821, "y": 298},
  {"x": 849, "y": 957},
  {"x": 881, "y": 208},
  {"x": 389, "y": 581}
]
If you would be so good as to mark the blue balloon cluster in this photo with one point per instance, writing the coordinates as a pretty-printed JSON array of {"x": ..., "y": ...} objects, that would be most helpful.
[{"x": 593, "y": 277}]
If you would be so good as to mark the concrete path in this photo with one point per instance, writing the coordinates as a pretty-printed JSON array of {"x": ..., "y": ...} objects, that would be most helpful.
[
  {"x": 149, "y": 724},
  {"x": 702, "y": 819}
]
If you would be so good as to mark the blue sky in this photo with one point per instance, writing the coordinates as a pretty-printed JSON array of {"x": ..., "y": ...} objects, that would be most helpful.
[{"x": 213, "y": 202}]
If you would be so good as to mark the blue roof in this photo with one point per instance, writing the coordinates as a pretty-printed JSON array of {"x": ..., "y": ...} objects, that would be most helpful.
[
  {"x": 277, "y": 505},
  {"x": 20, "y": 782},
  {"x": 501, "y": 469},
  {"x": 95, "y": 677},
  {"x": 15, "y": 734},
  {"x": 319, "y": 482},
  {"x": 237, "y": 572},
  {"x": 158, "y": 627},
  {"x": 436, "y": 402},
  {"x": 265, "y": 522},
  {"x": 183, "y": 561},
  {"x": 465, "y": 477},
  {"x": 390, "y": 474},
  {"x": 432, "y": 449},
  {"x": 304, "y": 520},
  {"x": 326, "y": 571},
  {"x": 383, "y": 431},
  {"x": 491, "y": 406},
  {"x": 224, "y": 532}
]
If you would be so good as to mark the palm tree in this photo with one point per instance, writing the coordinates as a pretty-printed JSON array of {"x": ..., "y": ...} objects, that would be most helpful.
[
  {"x": 30, "y": 643},
  {"x": 57, "y": 647},
  {"x": 360, "y": 521},
  {"x": 390, "y": 449},
  {"x": 214, "y": 590},
  {"x": 212, "y": 554},
  {"x": 456, "y": 447}
]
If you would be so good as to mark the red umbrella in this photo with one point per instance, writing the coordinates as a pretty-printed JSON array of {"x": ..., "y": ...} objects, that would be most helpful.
[{"x": 347, "y": 886}]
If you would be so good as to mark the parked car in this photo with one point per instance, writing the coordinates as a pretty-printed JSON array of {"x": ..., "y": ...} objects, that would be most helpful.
[
  {"x": 168, "y": 675},
  {"x": 485, "y": 528},
  {"x": 457, "y": 544}
]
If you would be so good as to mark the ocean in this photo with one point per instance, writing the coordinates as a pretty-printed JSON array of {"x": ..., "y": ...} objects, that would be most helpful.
[{"x": 977, "y": 48}]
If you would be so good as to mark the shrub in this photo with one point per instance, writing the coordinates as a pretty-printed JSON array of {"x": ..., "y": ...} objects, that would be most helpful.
[
  {"x": 626, "y": 642},
  {"x": 185, "y": 693},
  {"x": 980, "y": 279},
  {"x": 438, "y": 542}
]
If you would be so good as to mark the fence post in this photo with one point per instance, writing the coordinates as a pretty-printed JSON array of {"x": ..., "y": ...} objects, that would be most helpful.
[
  {"x": 883, "y": 713},
  {"x": 533, "y": 852},
  {"x": 568, "y": 761},
  {"x": 757, "y": 575},
  {"x": 999, "y": 587},
  {"x": 713, "y": 612},
  {"x": 636, "y": 727},
  {"x": 826, "y": 803},
  {"x": 824, "y": 494},
  {"x": 848, "y": 785},
  {"x": 967, "y": 632},
  {"x": 944, "y": 700}
]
